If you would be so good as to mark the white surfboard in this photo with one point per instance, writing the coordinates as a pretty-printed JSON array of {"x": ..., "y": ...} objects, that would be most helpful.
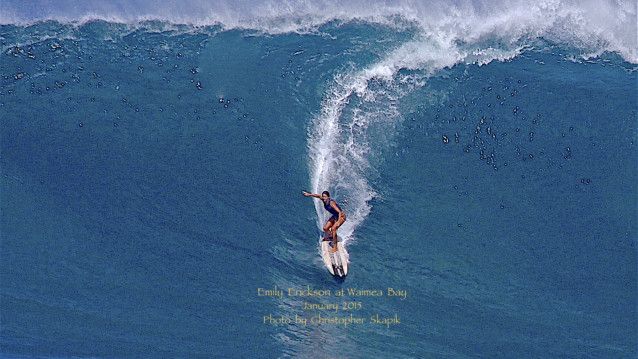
[{"x": 337, "y": 262}]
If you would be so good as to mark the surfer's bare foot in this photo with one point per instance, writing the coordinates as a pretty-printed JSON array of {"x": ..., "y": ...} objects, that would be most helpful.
[{"x": 334, "y": 247}]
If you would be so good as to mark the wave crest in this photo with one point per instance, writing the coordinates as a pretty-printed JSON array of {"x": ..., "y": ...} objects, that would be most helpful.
[{"x": 593, "y": 26}]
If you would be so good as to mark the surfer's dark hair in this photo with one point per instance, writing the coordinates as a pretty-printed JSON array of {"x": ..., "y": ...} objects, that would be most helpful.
[{"x": 326, "y": 193}]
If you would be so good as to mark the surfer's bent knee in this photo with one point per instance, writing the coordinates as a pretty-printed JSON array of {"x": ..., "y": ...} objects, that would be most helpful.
[
  {"x": 341, "y": 220},
  {"x": 328, "y": 225}
]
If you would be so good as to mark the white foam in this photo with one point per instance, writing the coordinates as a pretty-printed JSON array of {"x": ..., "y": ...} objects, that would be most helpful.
[
  {"x": 357, "y": 121},
  {"x": 592, "y": 25}
]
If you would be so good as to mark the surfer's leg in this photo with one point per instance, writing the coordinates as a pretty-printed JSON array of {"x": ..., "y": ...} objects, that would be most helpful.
[
  {"x": 327, "y": 227},
  {"x": 334, "y": 228}
]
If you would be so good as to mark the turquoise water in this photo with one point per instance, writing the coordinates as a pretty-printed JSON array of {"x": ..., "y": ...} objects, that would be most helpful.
[{"x": 152, "y": 176}]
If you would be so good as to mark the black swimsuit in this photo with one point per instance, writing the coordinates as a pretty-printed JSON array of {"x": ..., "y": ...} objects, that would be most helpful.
[{"x": 328, "y": 207}]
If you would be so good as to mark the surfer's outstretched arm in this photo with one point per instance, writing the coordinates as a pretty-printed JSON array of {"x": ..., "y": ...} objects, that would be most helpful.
[{"x": 308, "y": 194}]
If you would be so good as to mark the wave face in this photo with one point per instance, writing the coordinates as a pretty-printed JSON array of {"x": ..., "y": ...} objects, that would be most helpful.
[{"x": 153, "y": 159}]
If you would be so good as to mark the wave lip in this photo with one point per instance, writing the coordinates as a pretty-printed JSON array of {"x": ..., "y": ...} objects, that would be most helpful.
[{"x": 593, "y": 26}]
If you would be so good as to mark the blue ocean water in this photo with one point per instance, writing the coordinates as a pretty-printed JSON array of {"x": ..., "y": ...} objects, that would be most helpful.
[{"x": 152, "y": 175}]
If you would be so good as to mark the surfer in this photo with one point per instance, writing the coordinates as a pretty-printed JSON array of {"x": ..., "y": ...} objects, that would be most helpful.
[{"x": 335, "y": 221}]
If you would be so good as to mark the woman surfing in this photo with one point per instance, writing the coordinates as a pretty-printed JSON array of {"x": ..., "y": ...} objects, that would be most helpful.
[{"x": 335, "y": 221}]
